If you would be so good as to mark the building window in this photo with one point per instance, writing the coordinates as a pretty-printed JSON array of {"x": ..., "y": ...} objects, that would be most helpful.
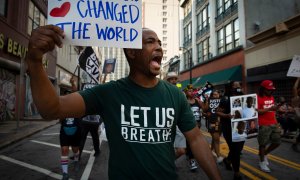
[
  {"x": 164, "y": 13},
  {"x": 223, "y": 5},
  {"x": 208, "y": 13},
  {"x": 219, "y": 7},
  {"x": 164, "y": 26},
  {"x": 165, "y": 32},
  {"x": 164, "y": 38},
  {"x": 227, "y": 4},
  {"x": 203, "y": 50},
  {"x": 236, "y": 29},
  {"x": 187, "y": 9},
  {"x": 164, "y": 45},
  {"x": 186, "y": 60},
  {"x": 199, "y": 52},
  {"x": 164, "y": 7},
  {"x": 165, "y": 52},
  {"x": 3, "y": 7},
  {"x": 185, "y": 34},
  {"x": 228, "y": 37},
  {"x": 199, "y": 22},
  {"x": 220, "y": 39},
  {"x": 35, "y": 18},
  {"x": 189, "y": 31},
  {"x": 164, "y": 20},
  {"x": 203, "y": 19},
  {"x": 164, "y": 1}
]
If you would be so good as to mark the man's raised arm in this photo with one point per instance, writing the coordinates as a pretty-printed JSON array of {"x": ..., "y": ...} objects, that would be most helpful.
[{"x": 49, "y": 104}]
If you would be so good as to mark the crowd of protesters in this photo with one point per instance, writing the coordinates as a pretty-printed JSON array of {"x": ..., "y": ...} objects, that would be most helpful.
[
  {"x": 276, "y": 120},
  {"x": 135, "y": 104}
]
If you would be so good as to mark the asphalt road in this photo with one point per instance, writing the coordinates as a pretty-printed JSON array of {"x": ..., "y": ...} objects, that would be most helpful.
[{"x": 38, "y": 157}]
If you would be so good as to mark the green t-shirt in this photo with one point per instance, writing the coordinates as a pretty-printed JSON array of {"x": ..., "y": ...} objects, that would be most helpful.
[{"x": 140, "y": 124}]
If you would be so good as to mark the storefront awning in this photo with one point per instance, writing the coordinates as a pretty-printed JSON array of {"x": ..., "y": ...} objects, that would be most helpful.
[{"x": 217, "y": 78}]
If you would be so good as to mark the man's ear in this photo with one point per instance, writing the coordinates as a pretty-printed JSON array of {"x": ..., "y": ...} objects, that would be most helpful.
[{"x": 130, "y": 53}]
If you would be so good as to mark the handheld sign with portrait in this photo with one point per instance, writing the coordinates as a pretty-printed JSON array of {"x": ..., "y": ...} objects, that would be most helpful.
[
  {"x": 109, "y": 66},
  {"x": 294, "y": 70},
  {"x": 244, "y": 124},
  {"x": 110, "y": 23}
]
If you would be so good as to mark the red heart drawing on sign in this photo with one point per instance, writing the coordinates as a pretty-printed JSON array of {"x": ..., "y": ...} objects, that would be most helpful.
[{"x": 61, "y": 11}]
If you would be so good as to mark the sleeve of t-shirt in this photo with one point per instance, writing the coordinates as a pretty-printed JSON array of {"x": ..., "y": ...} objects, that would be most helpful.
[
  {"x": 92, "y": 100},
  {"x": 259, "y": 103},
  {"x": 186, "y": 120}
]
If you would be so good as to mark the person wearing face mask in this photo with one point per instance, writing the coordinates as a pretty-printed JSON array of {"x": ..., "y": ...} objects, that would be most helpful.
[
  {"x": 269, "y": 130},
  {"x": 232, "y": 161}
]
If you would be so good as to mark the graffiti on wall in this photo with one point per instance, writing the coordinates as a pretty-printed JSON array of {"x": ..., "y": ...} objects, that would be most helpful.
[
  {"x": 30, "y": 108},
  {"x": 7, "y": 95}
]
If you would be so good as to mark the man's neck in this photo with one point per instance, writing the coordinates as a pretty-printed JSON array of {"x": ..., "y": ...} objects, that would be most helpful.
[{"x": 144, "y": 81}]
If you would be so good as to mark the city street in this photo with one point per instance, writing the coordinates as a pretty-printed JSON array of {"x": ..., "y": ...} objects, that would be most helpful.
[
  {"x": 240, "y": 58},
  {"x": 38, "y": 157}
]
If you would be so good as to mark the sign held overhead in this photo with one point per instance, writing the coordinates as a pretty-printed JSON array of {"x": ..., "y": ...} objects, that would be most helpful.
[{"x": 109, "y": 23}]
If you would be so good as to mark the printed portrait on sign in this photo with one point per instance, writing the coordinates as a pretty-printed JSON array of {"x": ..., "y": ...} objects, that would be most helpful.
[
  {"x": 248, "y": 110},
  {"x": 238, "y": 131},
  {"x": 109, "y": 66},
  {"x": 252, "y": 128},
  {"x": 243, "y": 109},
  {"x": 236, "y": 103}
]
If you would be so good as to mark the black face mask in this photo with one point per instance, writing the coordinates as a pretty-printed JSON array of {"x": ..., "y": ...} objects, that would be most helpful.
[
  {"x": 237, "y": 91},
  {"x": 269, "y": 92}
]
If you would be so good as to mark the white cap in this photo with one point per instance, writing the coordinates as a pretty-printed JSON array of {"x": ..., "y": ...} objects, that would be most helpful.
[{"x": 171, "y": 75}]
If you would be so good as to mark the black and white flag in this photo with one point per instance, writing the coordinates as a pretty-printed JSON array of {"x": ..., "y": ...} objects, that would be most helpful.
[{"x": 88, "y": 61}]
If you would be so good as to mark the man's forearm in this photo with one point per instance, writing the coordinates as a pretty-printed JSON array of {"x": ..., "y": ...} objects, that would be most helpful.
[
  {"x": 295, "y": 87},
  {"x": 203, "y": 155},
  {"x": 43, "y": 92}
]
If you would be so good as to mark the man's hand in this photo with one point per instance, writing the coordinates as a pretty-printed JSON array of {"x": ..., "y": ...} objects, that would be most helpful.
[
  {"x": 72, "y": 80},
  {"x": 274, "y": 108},
  {"x": 42, "y": 40}
]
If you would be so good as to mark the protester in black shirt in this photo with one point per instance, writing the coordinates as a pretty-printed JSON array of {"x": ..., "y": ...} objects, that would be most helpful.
[{"x": 235, "y": 148}]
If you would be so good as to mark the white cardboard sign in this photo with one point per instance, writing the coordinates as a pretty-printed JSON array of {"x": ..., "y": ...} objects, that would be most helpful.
[
  {"x": 294, "y": 70},
  {"x": 109, "y": 23}
]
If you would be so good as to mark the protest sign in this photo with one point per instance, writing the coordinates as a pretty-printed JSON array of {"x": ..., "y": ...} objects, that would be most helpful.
[
  {"x": 294, "y": 70},
  {"x": 244, "y": 123},
  {"x": 205, "y": 91},
  {"x": 89, "y": 62},
  {"x": 109, "y": 23},
  {"x": 109, "y": 66}
]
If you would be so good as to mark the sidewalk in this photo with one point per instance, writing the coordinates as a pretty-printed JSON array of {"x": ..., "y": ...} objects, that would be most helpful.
[{"x": 9, "y": 133}]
